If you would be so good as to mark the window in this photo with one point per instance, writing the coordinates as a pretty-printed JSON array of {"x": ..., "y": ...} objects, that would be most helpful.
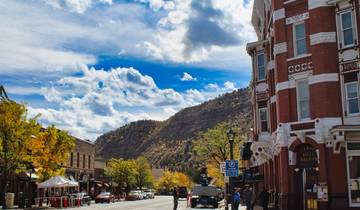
[
  {"x": 263, "y": 119},
  {"x": 352, "y": 97},
  {"x": 353, "y": 172},
  {"x": 299, "y": 39},
  {"x": 78, "y": 160},
  {"x": 303, "y": 99},
  {"x": 84, "y": 161},
  {"x": 347, "y": 31},
  {"x": 89, "y": 163},
  {"x": 71, "y": 159},
  {"x": 260, "y": 66}
]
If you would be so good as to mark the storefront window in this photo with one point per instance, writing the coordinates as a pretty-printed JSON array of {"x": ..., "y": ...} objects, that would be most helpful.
[{"x": 354, "y": 172}]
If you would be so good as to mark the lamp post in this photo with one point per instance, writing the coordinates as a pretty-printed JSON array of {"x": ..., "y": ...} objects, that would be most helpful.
[{"x": 231, "y": 138}]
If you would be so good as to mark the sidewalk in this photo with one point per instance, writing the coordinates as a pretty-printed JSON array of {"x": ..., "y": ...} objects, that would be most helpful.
[{"x": 240, "y": 208}]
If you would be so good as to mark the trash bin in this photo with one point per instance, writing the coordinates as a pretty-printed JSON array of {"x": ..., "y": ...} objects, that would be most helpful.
[{"x": 9, "y": 199}]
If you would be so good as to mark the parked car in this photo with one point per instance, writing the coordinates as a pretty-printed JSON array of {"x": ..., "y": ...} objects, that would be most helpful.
[
  {"x": 105, "y": 197},
  {"x": 150, "y": 193},
  {"x": 133, "y": 195},
  {"x": 84, "y": 198},
  {"x": 143, "y": 193},
  {"x": 205, "y": 195},
  {"x": 182, "y": 192}
]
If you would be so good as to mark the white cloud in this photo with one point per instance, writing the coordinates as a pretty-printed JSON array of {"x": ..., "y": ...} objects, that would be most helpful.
[
  {"x": 99, "y": 101},
  {"x": 229, "y": 86},
  {"x": 78, "y": 6},
  {"x": 187, "y": 77}
]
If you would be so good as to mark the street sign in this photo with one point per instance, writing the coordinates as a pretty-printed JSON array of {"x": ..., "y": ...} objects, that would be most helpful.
[
  {"x": 222, "y": 167},
  {"x": 232, "y": 168}
]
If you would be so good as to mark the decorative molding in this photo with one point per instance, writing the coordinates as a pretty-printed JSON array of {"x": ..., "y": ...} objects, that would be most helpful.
[
  {"x": 329, "y": 77},
  {"x": 270, "y": 65},
  {"x": 313, "y": 4},
  {"x": 280, "y": 48},
  {"x": 285, "y": 85},
  {"x": 323, "y": 37},
  {"x": 297, "y": 18},
  {"x": 279, "y": 14}
]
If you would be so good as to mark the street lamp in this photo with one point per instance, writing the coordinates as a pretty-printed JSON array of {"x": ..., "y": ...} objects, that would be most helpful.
[{"x": 231, "y": 138}]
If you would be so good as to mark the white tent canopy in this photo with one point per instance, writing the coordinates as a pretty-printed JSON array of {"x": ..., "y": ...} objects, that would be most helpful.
[{"x": 57, "y": 182}]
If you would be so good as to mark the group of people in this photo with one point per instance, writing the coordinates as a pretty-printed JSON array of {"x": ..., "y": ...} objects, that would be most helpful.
[{"x": 248, "y": 197}]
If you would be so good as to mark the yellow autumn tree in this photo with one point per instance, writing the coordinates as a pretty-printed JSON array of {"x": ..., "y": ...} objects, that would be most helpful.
[
  {"x": 182, "y": 179},
  {"x": 50, "y": 151},
  {"x": 166, "y": 182},
  {"x": 214, "y": 172}
]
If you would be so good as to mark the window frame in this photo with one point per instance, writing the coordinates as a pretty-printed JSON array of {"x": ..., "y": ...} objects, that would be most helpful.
[
  {"x": 298, "y": 100},
  {"x": 257, "y": 65},
  {"x": 296, "y": 54},
  {"x": 347, "y": 99},
  {"x": 348, "y": 154},
  {"x": 342, "y": 29},
  {"x": 267, "y": 120}
]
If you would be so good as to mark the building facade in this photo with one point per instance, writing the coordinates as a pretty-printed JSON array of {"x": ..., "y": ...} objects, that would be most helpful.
[
  {"x": 305, "y": 94},
  {"x": 80, "y": 165}
]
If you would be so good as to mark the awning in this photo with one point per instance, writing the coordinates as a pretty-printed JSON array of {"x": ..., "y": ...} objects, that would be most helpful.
[{"x": 57, "y": 182}]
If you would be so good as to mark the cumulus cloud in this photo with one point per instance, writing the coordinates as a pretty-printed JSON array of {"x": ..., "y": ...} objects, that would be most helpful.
[
  {"x": 229, "y": 86},
  {"x": 99, "y": 101},
  {"x": 198, "y": 31},
  {"x": 78, "y": 6},
  {"x": 187, "y": 77}
]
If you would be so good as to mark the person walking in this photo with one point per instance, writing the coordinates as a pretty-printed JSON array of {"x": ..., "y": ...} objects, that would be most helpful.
[
  {"x": 176, "y": 197},
  {"x": 248, "y": 194},
  {"x": 264, "y": 199},
  {"x": 188, "y": 200},
  {"x": 236, "y": 199}
]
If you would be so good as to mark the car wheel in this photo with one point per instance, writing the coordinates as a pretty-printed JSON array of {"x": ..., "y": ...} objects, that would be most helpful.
[{"x": 193, "y": 204}]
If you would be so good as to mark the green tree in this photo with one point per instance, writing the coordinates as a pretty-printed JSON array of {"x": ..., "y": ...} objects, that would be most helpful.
[
  {"x": 144, "y": 176},
  {"x": 123, "y": 172},
  {"x": 212, "y": 147}
]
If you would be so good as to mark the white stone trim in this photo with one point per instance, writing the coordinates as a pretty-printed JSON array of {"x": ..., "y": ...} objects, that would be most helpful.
[
  {"x": 280, "y": 48},
  {"x": 313, "y": 4},
  {"x": 297, "y": 18},
  {"x": 273, "y": 99},
  {"x": 313, "y": 79},
  {"x": 270, "y": 65},
  {"x": 323, "y": 37},
  {"x": 329, "y": 77},
  {"x": 279, "y": 14},
  {"x": 285, "y": 85},
  {"x": 299, "y": 57}
]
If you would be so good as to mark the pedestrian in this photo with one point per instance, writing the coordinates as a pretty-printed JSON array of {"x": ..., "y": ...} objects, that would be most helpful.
[
  {"x": 189, "y": 196},
  {"x": 236, "y": 199},
  {"x": 264, "y": 199},
  {"x": 248, "y": 194},
  {"x": 176, "y": 198}
]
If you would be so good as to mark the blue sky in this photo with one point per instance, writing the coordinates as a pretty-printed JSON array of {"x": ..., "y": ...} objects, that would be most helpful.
[{"x": 91, "y": 66}]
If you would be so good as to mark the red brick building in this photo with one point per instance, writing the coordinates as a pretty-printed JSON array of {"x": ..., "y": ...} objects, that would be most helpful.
[{"x": 306, "y": 137}]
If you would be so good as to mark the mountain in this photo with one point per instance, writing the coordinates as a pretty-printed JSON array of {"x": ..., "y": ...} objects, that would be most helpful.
[{"x": 168, "y": 143}]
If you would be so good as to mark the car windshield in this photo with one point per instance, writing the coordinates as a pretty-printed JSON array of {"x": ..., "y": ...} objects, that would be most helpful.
[{"x": 205, "y": 190}]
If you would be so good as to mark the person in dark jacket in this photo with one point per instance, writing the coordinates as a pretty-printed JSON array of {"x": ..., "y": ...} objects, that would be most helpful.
[
  {"x": 248, "y": 194},
  {"x": 236, "y": 199},
  {"x": 264, "y": 199},
  {"x": 175, "y": 194}
]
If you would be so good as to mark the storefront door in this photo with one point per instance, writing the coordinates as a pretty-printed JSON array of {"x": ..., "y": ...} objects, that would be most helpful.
[{"x": 306, "y": 178}]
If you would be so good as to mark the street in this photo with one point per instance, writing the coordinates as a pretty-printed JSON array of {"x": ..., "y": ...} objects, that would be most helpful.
[{"x": 159, "y": 203}]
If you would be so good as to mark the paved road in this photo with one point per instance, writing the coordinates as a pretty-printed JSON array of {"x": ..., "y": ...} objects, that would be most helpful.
[{"x": 159, "y": 203}]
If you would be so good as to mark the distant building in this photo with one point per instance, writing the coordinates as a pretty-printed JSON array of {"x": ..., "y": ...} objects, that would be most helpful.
[
  {"x": 80, "y": 165},
  {"x": 305, "y": 95}
]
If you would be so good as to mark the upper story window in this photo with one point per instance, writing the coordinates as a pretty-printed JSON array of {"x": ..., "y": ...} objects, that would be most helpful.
[
  {"x": 352, "y": 97},
  {"x": 71, "y": 159},
  {"x": 347, "y": 28},
  {"x": 299, "y": 39},
  {"x": 78, "y": 160},
  {"x": 260, "y": 62},
  {"x": 263, "y": 119},
  {"x": 303, "y": 99}
]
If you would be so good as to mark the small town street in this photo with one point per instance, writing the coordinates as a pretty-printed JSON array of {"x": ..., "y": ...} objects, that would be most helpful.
[{"x": 159, "y": 203}]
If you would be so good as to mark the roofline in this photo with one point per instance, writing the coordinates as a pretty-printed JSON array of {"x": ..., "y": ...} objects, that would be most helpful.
[{"x": 251, "y": 45}]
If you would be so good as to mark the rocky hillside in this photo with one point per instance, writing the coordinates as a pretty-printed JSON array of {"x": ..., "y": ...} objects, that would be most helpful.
[{"x": 168, "y": 143}]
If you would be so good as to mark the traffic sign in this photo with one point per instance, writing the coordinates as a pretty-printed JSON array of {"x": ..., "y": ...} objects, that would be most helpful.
[{"x": 232, "y": 168}]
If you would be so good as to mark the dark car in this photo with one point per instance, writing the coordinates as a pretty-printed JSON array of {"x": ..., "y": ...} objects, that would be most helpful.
[
  {"x": 84, "y": 198},
  {"x": 205, "y": 195},
  {"x": 105, "y": 197},
  {"x": 182, "y": 192}
]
